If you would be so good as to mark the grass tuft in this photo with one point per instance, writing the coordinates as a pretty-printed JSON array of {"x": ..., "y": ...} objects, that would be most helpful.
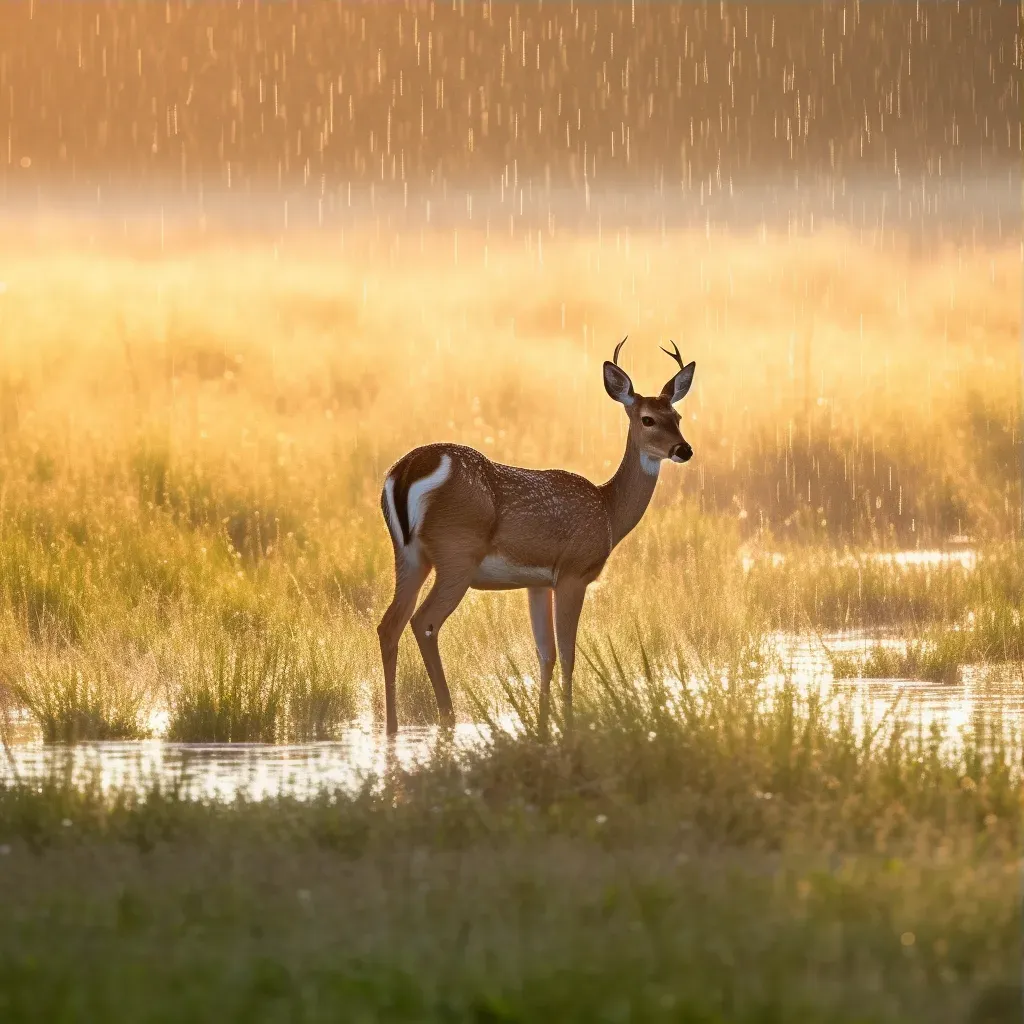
[
  {"x": 78, "y": 701},
  {"x": 919, "y": 660},
  {"x": 235, "y": 693},
  {"x": 319, "y": 700}
]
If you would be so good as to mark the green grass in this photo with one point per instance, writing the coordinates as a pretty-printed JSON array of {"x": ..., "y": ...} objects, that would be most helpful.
[
  {"x": 284, "y": 647},
  {"x": 917, "y": 659},
  {"x": 991, "y": 635},
  {"x": 319, "y": 702},
  {"x": 238, "y": 698},
  {"x": 836, "y": 589},
  {"x": 250, "y": 686},
  {"x": 79, "y": 700},
  {"x": 540, "y": 929},
  {"x": 708, "y": 856}
]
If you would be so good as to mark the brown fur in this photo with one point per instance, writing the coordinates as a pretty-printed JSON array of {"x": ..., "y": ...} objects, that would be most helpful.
[{"x": 491, "y": 526}]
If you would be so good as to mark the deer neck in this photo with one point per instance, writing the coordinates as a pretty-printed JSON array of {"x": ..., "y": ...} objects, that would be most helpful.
[{"x": 630, "y": 490}]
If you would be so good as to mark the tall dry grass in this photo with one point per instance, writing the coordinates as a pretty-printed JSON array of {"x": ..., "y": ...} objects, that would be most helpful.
[{"x": 194, "y": 441}]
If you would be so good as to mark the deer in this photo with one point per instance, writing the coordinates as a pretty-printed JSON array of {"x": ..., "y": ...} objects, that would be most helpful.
[{"x": 483, "y": 525}]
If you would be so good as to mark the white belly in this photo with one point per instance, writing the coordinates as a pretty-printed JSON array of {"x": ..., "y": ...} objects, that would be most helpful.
[{"x": 496, "y": 572}]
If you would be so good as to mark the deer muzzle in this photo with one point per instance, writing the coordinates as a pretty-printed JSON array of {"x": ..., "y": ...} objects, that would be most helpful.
[{"x": 681, "y": 453}]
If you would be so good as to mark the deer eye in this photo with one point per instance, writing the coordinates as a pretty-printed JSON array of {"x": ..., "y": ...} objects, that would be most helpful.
[{"x": 647, "y": 421}]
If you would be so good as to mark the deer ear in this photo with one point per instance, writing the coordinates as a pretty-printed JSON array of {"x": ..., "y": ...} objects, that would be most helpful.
[
  {"x": 617, "y": 384},
  {"x": 675, "y": 390}
]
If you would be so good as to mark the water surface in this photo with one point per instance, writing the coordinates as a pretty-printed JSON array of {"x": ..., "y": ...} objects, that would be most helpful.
[{"x": 222, "y": 771}]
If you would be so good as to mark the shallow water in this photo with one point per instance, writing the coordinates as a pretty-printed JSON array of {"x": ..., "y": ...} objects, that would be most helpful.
[
  {"x": 224, "y": 771},
  {"x": 990, "y": 690}
]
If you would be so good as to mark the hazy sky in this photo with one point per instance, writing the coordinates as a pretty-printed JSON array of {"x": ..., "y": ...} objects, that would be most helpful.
[{"x": 315, "y": 94}]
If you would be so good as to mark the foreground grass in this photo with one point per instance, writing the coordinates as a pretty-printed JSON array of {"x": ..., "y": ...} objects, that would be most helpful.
[
  {"x": 519, "y": 927},
  {"x": 680, "y": 857}
]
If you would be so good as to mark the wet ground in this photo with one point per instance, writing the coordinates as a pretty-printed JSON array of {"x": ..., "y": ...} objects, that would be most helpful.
[{"x": 223, "y": 771}]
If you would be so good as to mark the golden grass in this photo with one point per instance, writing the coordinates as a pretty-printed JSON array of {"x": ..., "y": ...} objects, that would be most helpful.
[{"x": 194, "y": 439}]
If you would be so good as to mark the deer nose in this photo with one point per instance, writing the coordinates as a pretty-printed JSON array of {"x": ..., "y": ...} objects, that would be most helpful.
[{"x": 681, "y": 453}]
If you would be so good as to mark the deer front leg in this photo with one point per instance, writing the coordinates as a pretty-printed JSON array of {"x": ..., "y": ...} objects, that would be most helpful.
[
  {"x": 569, "y": 596},
  {"x": 542, "y": 621}
]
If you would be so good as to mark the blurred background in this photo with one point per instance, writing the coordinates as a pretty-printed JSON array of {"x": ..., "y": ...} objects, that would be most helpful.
[
  {"x": 821, "y": 204},
  {"x": 252, "y": 253}
]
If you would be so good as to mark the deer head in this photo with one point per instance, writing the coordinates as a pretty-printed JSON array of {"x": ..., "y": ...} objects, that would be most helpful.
[{"x": 653, "y": 422}]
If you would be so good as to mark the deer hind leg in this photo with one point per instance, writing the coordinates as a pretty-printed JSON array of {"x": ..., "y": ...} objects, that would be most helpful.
[
  {"x": 542, "y": 621},
  {"x": 411, "y": 571},
  {"x": 569, "y": 596},
  {"x": 453, "y": 576}
]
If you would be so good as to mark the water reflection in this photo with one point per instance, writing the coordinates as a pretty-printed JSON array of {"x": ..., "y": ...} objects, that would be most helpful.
[
  {"x": 992, "y": 690},
  {"x": 224, "y": 771}
]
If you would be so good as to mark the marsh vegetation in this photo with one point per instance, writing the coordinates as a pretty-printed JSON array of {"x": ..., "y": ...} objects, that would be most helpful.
[
  {"x": 194, "y": 447},
  {"x": 191, "y": 546}
]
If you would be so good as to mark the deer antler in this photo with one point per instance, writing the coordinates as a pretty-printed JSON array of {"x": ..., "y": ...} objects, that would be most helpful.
[
  {"x": 675, "y": 355},
  {"x": 615, "y": 357}
]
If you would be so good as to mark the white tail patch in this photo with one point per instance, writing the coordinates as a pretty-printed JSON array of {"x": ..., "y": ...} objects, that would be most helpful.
[
  {"x": 394, "y": 527},
  {"x": 421, "y": 488}
]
